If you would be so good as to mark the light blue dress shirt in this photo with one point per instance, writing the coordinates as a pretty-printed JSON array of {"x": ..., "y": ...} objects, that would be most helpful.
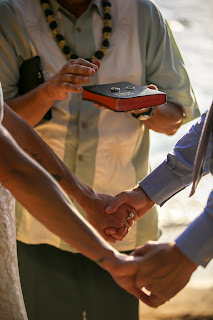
[{"x": 174, "y": 174}]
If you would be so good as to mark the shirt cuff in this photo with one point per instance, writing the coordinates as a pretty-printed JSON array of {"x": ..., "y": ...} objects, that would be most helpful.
[{"x": 161, "y": 184}]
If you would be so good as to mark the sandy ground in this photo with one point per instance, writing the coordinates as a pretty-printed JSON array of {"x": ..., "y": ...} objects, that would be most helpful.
[
  {"x": 192, "y": 24},
  {"x": 190, "y": 303}
]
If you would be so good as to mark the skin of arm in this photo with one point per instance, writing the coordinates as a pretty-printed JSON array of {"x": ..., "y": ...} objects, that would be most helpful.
[
  {"x": 167, "y": 118},
  {"x": 42, "y": 196},
  {"x": 74, "y": 73},
  {"x": 91, "y": 202}
]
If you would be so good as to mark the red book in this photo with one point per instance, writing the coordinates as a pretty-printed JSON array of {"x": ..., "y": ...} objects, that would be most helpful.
[{"x": 123, "y": 96}]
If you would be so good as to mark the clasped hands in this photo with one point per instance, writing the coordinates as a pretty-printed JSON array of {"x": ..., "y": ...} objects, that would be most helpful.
[
  {"x": 154, "y": 271},
  {"x": 114, "y": 216}
]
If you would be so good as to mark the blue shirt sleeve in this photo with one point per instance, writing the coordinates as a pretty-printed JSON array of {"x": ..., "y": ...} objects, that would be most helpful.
[
  {"x": 174, "y": 174},
  {"x": 196, "y": 242}
]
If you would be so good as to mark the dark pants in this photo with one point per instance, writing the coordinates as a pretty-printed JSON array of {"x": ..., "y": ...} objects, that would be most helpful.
[{"x": 58, "y": 285}]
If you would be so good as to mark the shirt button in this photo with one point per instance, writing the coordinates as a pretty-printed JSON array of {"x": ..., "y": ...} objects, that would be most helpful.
[
  {"x": 78, "y": 29},
  {"x": 84, "y": 125},
  {"x": 80, "y": 157}
]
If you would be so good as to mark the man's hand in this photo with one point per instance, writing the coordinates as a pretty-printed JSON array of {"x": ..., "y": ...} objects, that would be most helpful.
[
  {"x": 68, "y": 79},
  {"x": 135, "y": 198},
  {"x": 138, "y": 111},
  {"x": 164, "y": 271}
]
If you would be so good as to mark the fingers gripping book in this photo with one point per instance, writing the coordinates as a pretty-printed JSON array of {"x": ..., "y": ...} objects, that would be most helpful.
[{"x": 123, "y": 96}]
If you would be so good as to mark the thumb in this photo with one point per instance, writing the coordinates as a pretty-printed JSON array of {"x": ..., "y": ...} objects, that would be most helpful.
[
  {"x": 142, "y": 250},
  {"x": 152, "y": 86},
  {"x": 141, "y": 295},
  {"x": 114, "y": 204}
]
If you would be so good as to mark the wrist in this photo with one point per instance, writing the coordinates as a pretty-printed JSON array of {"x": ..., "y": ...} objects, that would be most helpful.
[
  {"x": 83, "y": 194},
  {"x": 143, "y": 116},
  {"x": 189, "y": 264},
  {"x": 142, "y": 202},
  {"x": 150, "y": 202},
  {"x": 45, "y": 93},
  {"x": 143, "y": 193},
  {"x": 113, "y": 262}
]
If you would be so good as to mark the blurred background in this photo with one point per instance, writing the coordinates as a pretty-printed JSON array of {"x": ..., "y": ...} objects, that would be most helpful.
[{"x": 191, "y": 22}]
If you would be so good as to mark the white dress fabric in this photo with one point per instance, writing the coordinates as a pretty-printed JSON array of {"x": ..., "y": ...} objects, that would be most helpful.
[{"x": 11, "y": 299}]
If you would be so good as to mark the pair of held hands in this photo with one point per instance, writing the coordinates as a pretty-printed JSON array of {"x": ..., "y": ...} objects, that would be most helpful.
[
  {"x": 112, "y": 216},
  {"x": 154, "y": 271}
]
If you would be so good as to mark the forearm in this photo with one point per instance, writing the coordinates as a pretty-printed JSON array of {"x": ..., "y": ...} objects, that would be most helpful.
[
  {"x": 41, "y": 195},
  {"x": 35, "y": 147},
  {"x": 92, "y": 203},
  {"x": 176, "y": 171},
  {"x": 167, "y": 118},
  {"x": 33, "y": 105}
]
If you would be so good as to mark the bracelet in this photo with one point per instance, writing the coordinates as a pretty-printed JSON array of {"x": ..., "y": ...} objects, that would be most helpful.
[{"x": 144, "y": 115}]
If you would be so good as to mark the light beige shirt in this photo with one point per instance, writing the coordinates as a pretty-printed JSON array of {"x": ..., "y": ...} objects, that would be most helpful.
[{"x": 109, "y": 151}]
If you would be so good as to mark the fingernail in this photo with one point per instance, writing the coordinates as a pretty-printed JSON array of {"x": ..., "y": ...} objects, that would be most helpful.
[
  {"x": 95, "y": 67},
  {"x": 91, "y": 71}
]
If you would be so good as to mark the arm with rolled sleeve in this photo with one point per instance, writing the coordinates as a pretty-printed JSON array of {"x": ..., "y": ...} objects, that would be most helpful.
[{"x": 164, "y": 67}]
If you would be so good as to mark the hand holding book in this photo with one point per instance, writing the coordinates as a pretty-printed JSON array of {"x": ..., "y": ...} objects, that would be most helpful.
[{"x": 124, "y": 96}]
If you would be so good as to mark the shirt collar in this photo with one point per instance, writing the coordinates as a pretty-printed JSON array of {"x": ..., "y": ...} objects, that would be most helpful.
[
  {"x": 97, "y": 3},
  {"x": 55, "y": 5}
]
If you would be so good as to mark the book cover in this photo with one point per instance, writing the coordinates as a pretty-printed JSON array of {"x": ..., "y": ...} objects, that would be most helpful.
[{"x": 123, "y": 96}]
